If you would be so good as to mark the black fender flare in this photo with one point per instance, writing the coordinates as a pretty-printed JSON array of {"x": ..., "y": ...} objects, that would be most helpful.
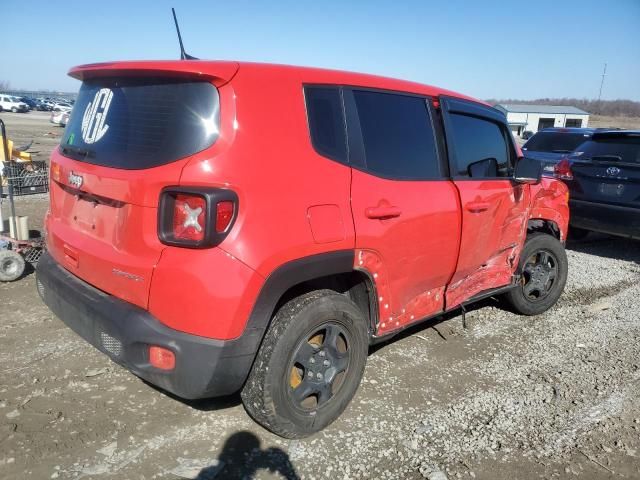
[{"x": 291, "y": 274}]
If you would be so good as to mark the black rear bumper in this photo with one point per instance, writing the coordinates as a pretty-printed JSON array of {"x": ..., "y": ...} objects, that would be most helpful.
[
  {"x": 605, "y": 218},
  {"x": 204, "y": 367}
]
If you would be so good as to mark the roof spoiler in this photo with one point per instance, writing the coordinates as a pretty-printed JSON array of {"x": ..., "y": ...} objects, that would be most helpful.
[
  {"x": 217, "y": 72},
  {"x": 601, "y": 135}
]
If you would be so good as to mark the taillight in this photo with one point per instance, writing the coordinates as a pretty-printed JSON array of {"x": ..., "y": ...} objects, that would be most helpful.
[
  {"x": 196, "y": 217},
  {"x": 189, "y": 217},
  {"x": 562, "y": 170}
]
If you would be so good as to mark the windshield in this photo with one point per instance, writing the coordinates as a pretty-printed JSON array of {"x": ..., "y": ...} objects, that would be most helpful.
[
  {"x": 616, "y": 149},
  {"x": 555, "y": 142},
  {"x": 136, "y": 123}
]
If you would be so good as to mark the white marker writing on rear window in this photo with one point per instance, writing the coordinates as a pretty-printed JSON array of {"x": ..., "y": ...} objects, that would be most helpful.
[{"x": 94, "y": 124}]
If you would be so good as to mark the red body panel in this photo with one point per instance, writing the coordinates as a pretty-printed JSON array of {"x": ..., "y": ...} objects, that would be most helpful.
[
  {"x": 292, "y": 203},
  {"x": 550, "y": 202},
  {"x": 494, "y": 227},
  {"x": 423, "y": 237},
  {"x": 106, "y": 231}
]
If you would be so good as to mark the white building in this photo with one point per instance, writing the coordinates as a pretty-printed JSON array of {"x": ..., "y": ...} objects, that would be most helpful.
[{"x": 536, "y": 117}]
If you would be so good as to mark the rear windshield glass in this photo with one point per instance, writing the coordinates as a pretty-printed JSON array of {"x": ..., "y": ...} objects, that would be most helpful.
[
  {"x": 139, "y": 123},
  {"x": 555, "y": 142},
  {"x": 620, "y": 149}
]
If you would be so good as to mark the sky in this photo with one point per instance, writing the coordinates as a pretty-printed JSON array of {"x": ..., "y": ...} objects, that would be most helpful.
[{"x": 484, "y": 48}]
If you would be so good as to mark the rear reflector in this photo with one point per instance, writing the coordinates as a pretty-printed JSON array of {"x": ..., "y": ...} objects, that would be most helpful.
[
  {"x": 224, "y": 215},
  {"x": 162, "y": 358}
]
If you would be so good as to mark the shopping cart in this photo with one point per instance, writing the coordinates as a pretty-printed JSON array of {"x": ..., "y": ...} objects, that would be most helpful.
[{"x": 16, "y": 252}]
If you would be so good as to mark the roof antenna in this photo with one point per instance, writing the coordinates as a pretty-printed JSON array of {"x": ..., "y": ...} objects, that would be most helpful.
[{"x": 183, "y": 55}]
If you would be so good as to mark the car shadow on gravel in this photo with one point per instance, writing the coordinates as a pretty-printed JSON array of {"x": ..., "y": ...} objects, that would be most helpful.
[{"x": 601, "y": 245}]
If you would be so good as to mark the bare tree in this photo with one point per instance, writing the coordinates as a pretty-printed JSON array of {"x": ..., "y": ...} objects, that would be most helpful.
[{"x": 4, "y": 85}]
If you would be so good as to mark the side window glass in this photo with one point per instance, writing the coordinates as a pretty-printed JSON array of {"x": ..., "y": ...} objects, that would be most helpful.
[
  {"x": 326, "y": 122},
  {"x": 397, "y": 134},
  {"x": 481, "y": 149}
]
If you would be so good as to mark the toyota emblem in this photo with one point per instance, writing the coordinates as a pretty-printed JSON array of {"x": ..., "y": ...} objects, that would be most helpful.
[{"x": 613, "y": 171}]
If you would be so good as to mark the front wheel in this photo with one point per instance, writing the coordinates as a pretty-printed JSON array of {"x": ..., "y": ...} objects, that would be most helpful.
[
  {"x": 309, "y": 365},
  {"x": 14, "y": 110},
  {"x": 543, "y": 270}
]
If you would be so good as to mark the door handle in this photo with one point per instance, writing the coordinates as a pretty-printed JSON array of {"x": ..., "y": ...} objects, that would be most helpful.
[
  {"x": 477, "y": 207},
  {"x": 382, "y": 212}
]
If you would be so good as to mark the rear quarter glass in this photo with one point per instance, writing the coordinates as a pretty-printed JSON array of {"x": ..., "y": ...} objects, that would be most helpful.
[{"x": 138, "y": 123}]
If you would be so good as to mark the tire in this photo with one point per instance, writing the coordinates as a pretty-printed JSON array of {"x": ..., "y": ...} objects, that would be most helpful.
[
  {"x": 543, "y": 268},
  {"x": 14, "y": 110},
  {"x": 304, "y": 328},
  {"x": 576, "y": 233},
  {"x": 11, "y": 265}
]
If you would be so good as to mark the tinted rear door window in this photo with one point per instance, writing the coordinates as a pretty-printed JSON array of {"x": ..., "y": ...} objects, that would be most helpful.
[
  {"x": 137, "y": 123},
  {"x": 397, "y": 135}
]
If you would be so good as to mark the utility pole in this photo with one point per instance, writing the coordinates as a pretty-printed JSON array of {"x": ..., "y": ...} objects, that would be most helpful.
[{"x": 604, "y": 74}]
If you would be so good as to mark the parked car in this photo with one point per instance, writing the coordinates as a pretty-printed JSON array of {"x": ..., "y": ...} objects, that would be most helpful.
[
  {"x": 604, "y": 184},
  {"x": 550, "y": 145},
  {"x": 44, "y": 105},
  {"x": 12, "y": 104},
  {"x": 210, "y": 243},
  {"x": 60, "y": 117},
  {"x": 62, "y": 107},
  {"x": 31, "y": 103}
]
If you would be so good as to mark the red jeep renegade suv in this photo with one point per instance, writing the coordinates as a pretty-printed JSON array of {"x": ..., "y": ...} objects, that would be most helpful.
[{"x": 224, "y": 226}]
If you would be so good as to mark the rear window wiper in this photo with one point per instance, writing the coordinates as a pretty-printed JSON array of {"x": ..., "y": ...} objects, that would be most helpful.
[
  {"x": 78, "y": 152},
  {"x": 561, "y": 151}
]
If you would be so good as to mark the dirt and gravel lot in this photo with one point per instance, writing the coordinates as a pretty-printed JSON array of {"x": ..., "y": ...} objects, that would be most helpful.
[{"x": 556, "y": 396}]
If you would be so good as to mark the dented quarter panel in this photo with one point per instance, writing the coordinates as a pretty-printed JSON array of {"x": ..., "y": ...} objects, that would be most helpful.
[
  {"x": 550, "y": 201},
  {"x": 423, "y": 305}
]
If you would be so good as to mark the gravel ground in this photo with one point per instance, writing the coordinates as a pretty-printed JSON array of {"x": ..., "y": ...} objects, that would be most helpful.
[{"x": 555, "y": 396}]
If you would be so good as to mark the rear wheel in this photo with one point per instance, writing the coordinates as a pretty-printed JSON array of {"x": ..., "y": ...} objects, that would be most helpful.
[
  {"x": 543, "y": 272},
  {"x": 309, "y": 365},
  {"x": 11, "y": 265}
]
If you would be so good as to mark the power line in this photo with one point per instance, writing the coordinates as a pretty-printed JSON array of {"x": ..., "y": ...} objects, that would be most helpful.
[{"x": 604, "y": 74}]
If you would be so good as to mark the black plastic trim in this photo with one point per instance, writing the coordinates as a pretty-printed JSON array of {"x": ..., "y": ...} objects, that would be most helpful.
[
  {"x": 291, "y": 274},
  {"x": 212, "y": 197}
]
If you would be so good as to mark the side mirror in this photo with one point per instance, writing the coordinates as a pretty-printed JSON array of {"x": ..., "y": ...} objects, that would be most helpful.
[
  {"x": 528, "y": 171},
  {"x": 485, "y": 168}
]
